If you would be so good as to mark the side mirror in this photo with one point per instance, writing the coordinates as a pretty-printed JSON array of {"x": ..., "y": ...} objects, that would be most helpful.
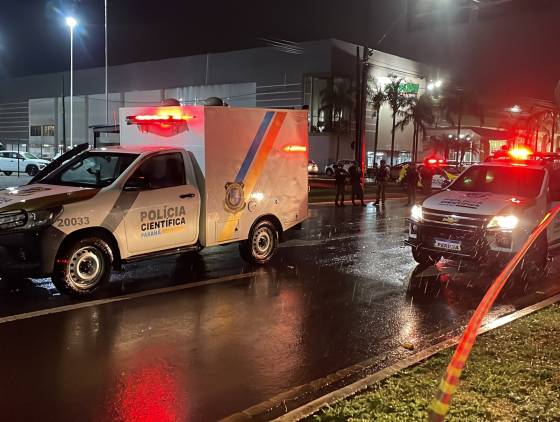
[{"x": 136, "y": 183}]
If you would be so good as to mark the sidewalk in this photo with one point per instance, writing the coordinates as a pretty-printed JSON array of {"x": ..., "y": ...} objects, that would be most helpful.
[{"x": 513, "y": 374}]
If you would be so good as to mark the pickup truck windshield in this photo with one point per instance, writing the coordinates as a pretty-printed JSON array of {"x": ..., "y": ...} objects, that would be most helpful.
[
  {"x": 515, "y": 181},
  {"x": 91, "y": 169}
]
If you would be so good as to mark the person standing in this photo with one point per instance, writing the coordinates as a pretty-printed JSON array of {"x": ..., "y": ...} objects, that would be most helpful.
[
  {"x": 356, "y": 179},
  {"x": 411, "y": 178},
  {"x": 383, "y": 174},
  {"x": 340, "y": 182},
  {"x": 427, "y": 174}
]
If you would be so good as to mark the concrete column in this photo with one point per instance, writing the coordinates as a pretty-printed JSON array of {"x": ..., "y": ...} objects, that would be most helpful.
[{"x": 86, "y": 118}]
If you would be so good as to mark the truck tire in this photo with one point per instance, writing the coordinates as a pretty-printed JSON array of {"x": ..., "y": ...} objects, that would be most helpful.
[
  {"x": 424, "y": 258},
  {"x": 32, "y": 170},
  {"x": 329, "y": 172},
  {"x": 7, "y": 173},
  {"x": 83, "y": 266},
  {"x": 262, "y": 243}
]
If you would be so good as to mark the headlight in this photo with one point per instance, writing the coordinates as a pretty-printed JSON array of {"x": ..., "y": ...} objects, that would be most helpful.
[
  {"x": 504, "y": 222},
  {"x": 41, "y": 217},
  {"x": 416, "y": 213}
]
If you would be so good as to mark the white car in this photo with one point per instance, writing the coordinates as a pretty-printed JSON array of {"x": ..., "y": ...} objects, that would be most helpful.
[
  {"x": 13, "y": 161},
  {"x": 346, "y": 164}
]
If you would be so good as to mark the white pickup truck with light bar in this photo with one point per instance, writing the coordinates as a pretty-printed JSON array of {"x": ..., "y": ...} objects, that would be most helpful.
[
  {"x": 182, "y": 179},
  {"x": 489, "y": 211}
]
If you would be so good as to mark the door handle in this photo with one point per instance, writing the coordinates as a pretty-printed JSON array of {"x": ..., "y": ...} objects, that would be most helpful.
[{"x": 187, "y": 195}]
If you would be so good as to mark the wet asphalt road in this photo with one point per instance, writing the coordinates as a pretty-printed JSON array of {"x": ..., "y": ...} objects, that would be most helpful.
[{"x": 339, "y": 292}]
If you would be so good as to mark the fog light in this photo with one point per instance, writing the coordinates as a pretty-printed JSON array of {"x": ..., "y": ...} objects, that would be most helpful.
[{"x": 503, "y": 240}]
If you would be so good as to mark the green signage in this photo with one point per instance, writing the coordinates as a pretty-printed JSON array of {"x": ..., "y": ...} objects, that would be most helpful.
[{"x": 409, "y": 88}]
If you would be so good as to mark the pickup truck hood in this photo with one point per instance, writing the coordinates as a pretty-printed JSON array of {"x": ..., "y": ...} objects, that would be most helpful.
[
  {"x": 480, "y": 203},
  {"x": 41, "y": 196}
]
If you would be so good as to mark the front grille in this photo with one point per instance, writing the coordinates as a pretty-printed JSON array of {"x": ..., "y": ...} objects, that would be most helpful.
[
  {"x": 458, "y": 221},
  {"x": 12, "y": 219}
]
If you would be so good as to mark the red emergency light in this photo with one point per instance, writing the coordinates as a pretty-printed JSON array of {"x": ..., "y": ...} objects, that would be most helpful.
[
  {"x": 520, "y": 153},
  {"x": 161, "y": 119},
  {"x": 434, "y": 161}
]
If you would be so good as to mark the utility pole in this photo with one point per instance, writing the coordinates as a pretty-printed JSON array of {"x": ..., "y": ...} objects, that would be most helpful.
[
  {"x": 363, "y": 107},
  {"x": 357, "y": 138},
  {"x": 63, "y": 118},
  {"x": 106, "y": 71}
]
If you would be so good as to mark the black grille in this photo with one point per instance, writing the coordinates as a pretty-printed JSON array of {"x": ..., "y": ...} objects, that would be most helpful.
[
  {"x": 456, "y": 220},
  {"x": 12, "y": 219}
]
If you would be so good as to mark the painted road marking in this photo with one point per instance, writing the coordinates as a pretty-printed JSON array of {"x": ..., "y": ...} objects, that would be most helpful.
[{"x": 131, "y": 296}]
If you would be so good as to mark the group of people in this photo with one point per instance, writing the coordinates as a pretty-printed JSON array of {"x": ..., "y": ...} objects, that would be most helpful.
[
  {"x": 382, "y": 175},
  {"x": 355, "y": 174}
]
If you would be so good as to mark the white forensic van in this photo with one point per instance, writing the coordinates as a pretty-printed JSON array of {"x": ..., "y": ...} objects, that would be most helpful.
[
  {"x": 183, "y": 178},
  {"x": 488, "y": 212}
]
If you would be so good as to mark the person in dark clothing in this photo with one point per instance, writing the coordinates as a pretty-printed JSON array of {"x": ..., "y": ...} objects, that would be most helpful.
[
  {"x": 356, "y": 179},
  {"x": 383, "y": 174},
  {"x": 412, "y": 177},
  {"x": 427, "y": 175},
  {"x": 340, "y": 182}
]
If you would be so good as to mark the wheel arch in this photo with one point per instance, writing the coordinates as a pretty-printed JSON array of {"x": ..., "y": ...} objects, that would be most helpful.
[
  {"x": 274, "y": 220},
  {"x": 100, "y": 232}
]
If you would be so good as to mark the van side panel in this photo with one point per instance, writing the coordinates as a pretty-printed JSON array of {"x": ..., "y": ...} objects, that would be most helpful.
[{"x": 256, "y": 164}]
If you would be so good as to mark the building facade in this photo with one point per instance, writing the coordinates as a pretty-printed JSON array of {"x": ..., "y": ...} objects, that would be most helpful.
[{"x": 35, "y": 110}]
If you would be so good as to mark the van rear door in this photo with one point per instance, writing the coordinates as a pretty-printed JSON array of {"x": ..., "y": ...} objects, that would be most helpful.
[{"x": 165, "y": 213}]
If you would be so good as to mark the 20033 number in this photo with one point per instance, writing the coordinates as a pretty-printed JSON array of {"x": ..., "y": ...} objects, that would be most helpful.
[{"x": 74, "y": 221}]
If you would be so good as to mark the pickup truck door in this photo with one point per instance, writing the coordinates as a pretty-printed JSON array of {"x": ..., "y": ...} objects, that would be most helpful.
[{"x": 165, "y": 213}]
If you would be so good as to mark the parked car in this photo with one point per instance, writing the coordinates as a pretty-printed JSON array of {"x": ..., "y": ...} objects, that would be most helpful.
[
  {"x": 346, "y": 164},
  {"x": 440, "y": 179},
  {"x": 13, "y": 162},
  {"x": 396, "y": 171},
  {"x": 312, "y": 167}
]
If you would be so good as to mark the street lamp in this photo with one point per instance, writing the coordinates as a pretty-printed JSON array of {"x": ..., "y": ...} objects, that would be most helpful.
[{"x": 71, "y": 22}]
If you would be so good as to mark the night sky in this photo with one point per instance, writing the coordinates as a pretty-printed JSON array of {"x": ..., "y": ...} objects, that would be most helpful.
[{"x": 517, "y": 56}]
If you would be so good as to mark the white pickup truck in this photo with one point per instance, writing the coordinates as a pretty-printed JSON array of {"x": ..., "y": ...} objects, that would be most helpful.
[
  {"x": 183, "y": 178},
  {"x": 488, "y": 212}
]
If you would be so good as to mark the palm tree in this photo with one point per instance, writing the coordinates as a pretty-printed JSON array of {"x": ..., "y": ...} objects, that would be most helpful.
[
  {"x": 462, "y": 147},
  {"x": 457, "y": 101},
  {"x": 337, "y": 102},
  {"x": 419, "y": 112},
  {"x": 376, "y": 98},
  {"x": 397, "y": 100}
]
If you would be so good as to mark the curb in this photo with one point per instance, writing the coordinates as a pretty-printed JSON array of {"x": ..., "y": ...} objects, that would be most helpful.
[{"x": 258, "y": 412}]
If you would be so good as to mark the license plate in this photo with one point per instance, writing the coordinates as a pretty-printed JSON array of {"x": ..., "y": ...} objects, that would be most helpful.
[{"x": 450, "y": 245}]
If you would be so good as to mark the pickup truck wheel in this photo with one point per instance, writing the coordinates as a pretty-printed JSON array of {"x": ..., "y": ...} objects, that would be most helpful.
[
  {"x": 424, "y": 258},
  {"x": 82, "y": 267},
  {"x": 7, "y": 173},
  {"x": 32, "y": 170},
  {"x": 262, "y": 243},
  {"x": 329, "y": 172}
]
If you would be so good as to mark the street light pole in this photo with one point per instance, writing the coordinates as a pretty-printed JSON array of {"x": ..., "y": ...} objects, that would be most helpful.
[
  {"x": 106, "y": 71},
  {"x": 71, "y": 22}
]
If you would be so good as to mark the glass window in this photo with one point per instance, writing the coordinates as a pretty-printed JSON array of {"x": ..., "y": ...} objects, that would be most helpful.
[
  {"x": 163, "y": 171},
  {"x": 92, "y": 169},
  {"x": 29, "y": 156},
  {"x": 48, "y": 130},
  {"x": 518, "y": 181},
  {"x": 35, "y": 131}
]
